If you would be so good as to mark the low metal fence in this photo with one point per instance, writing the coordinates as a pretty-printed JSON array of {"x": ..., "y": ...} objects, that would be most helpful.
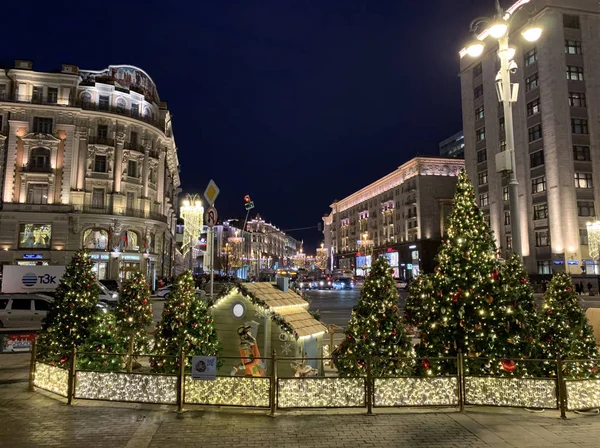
[{"x": 327, "y": 390}]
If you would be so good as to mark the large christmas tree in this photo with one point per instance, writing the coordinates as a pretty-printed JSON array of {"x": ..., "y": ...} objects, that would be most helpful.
[
  {"x": 104, "y": 338},
  {"x": 376, "y": 331},
  {"x": 464, "y": 284},
  {"x": 565, "y": 332},
  {"x": 169, "y": 334},
  {"x": 134, "y": 314},
  {"x": 200, "y": 335},
  {"x": 73, "y": 310}
]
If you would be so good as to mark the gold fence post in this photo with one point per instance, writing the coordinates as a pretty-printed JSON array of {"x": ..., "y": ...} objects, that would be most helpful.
[
  {"x": 71, "y": 378},
  {"x": 561, "y": 389},
  {"x": 32, "y": 364},
  {"x": 369, "y": 388},
  {"x": 273, "y": 389},
  {"x": 331, "y": 335},
  {"x": 181, "y": 382},
  {"x": 461, "y": 380}
]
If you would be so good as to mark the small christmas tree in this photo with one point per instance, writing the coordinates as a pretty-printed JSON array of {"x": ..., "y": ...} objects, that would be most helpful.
[
  {"x": 200, "y": 336},
  {"x": 73, "y": 311},
  {"x": 565, "y": 332},
  {"x": 420, "y": 300},
  {"x": 170, "y": 334},
  {"x": 376, "y": 331},
  {"x": 103, "y": 338},
  {"x": 134, "y": 314}
]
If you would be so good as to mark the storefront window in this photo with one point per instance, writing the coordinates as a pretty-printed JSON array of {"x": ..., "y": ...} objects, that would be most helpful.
[
  {"x": 95, "y": 239},
  {"x": 35, "y": 236}
]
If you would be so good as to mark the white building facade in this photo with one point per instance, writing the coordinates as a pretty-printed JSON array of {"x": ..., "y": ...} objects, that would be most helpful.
[{"x": 89, "y": 160}]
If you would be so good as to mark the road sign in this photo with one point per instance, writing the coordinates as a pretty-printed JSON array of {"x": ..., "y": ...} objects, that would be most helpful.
[
  {"x": 204, "y": 368},
  {"x": 211, "y": 216},
  {"x": 211, "y": 192}
]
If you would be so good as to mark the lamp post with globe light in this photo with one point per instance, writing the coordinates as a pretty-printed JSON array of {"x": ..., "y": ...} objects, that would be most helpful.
[{"x": 499, "y": 28}]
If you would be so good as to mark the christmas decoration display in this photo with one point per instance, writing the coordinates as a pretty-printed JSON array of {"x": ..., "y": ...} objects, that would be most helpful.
[
  {"x": 185, "y": 325},
  {"x": 564, "y": 330},
  {"x": 72, "y": 313},
  {"x": 375, "y": 331},
  {"x": 134, "y": 314},
  {"x": 103, "y": 338}
]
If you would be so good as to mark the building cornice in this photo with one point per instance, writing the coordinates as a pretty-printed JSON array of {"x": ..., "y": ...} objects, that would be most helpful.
[{"x": 419, "y": 166}]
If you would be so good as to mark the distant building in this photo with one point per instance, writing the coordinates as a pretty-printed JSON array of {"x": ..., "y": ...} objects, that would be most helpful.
[
  {"x": 401, "y": 215},
  {"x": 453, "y": 146}
]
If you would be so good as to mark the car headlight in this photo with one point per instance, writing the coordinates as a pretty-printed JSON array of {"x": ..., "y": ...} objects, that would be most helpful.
[
  {"x": 321, "y": 283},
  {"x": 329, "y": 283}
]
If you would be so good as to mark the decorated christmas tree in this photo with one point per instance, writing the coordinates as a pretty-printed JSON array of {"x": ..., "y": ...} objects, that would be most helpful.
[
  {"x": 134, "y": 314},
  {"x": 169, "y": 335},
  {"x": 199, "y": 333},
  {"x": 565, "y": 332},
  {"x": 103, "y": 338},
  {"x": 73, "y": 311},
  {"x": 462, "y": 315},
  {"x": 421, "y": 299},
  {"x": 376, "y": 331}
]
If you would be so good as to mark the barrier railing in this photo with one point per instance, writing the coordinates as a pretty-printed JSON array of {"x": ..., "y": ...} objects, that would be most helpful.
[{"x": 327, "y": 390}]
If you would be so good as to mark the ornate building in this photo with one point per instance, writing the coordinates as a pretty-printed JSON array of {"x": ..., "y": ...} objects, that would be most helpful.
[
  {"x": 88, "y": 160},
  {"x": 400, "y": 216}
]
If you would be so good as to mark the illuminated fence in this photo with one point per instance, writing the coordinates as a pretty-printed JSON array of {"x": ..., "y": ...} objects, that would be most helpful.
[{"x": 275, "y": 392}]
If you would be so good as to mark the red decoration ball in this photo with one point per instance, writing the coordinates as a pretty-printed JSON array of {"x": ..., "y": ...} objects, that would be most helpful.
[
  {"x": 145, "y": 301},
  {"x": 426, "y": 364},
  {"x": 495, "y": 274},
  {"x": 523, "y": 280},
  {"x": 509, "y": 365},
  {"x": 594, "y": 369}
]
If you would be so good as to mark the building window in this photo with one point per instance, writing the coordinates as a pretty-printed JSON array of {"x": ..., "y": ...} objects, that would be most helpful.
[
  {"x": 102, "y": 132},
  {"x": 586, "y": 208},
  {"x": 86, "y": 100},
  {"x": 577, "y": 99},
  {"x": 530, "y": 57},
  {"x": 478, "y": 91},
  {"x": 544, "y": 267},
  {"x": 98, "y": 198},
  {"x": 482, "y": 178},
  {"x": 581, "y": 153},
  {"x": 583, "y": 180},
  {"x": 480, "y": 134},
  {"x": 583, "y": 237},
  {"x": 501, "y": 124},
  {"x": 52, "y": 95},
  {"x": 507, "y": 218},
  {"x": 103, "y": 102},
  {"x": 37, "y": 94},
  {"x": 538, "y": 185},
  {"x": 484, "y": 199},
  {"x": 536, "y": 158},
  {"x": 35, "y": 236},
  {"x": 135, "y": 110},
  {"x": 100, "y": 164},
  {"x": 43, "y": 125},
  {"x": 39, "y": 160},
  {"x": 505, "y": 193},
  {"x": 508, "y": 242},
  {"x": 579, "y": 126},
  {"x": 574, "y": 73},
  {"x": 37, "y": 194},
  {"x": 572, "y": 47},
  {"x": 481, "y": 155},
  {"x": 132, "y": 168},
  {"x": 121, "y": 106},
  {"x": 531, "y": 82},
  {"x": 535, "y": 133},
  {"x": 540, "y": 211},
  {"x": 502, "y": 145},
  {"x": 477, "y": 70},
  {"x": 479, "y": 113},
  {"x": 571, "y": 21},
  {"x": 542, "y": 238},
  {"x": 133, "y": 139},
  {"x": 533, "y": 107}
]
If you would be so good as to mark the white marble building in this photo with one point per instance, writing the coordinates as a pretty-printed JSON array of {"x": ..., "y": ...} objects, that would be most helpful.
[{"x": 88, "y": 159}]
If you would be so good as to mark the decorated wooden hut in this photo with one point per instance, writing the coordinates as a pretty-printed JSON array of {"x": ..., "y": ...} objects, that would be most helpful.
[{"x": 253, "y": 319}]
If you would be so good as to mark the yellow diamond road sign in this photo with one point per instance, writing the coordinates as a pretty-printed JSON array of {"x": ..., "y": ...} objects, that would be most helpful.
[{"x": 211, "y": 192}]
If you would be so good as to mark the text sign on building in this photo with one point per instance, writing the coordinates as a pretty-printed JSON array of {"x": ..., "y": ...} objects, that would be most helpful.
[
  {"x": 33, "y": 256},
  {"x": 204, "y": 368},
  {"x": 211, "y": 192}
]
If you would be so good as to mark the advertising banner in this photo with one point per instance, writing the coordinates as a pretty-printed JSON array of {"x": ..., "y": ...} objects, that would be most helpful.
[{"x": 28, "y": 279}]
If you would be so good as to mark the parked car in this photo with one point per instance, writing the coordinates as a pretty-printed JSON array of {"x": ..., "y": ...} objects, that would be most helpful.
[
  {"x": 322, "y": 283},
  {"x": 24, "y": 310},
  {"x": 111, "y": 285},
  {"x": 164, "y": 292},
  {"x": 343, "y": 283},
  {"x": 401, "y": 284}
]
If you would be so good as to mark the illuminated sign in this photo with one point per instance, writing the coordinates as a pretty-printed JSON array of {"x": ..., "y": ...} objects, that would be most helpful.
[
  {"x": 99, "y": 256},
  {"x": 412, "y": 246},
  {"x": 559, "y": 262},
  {"x": 130, "y": 257},
  {"x": 573, "y": 262},
  {"x": 33, "y": 256}
]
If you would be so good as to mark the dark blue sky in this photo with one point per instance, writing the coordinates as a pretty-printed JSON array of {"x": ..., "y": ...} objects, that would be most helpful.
[{"x": 294, "y": 102}]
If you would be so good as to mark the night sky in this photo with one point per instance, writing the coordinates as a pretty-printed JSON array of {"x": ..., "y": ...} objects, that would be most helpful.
[{"x": 296, "y": 103}]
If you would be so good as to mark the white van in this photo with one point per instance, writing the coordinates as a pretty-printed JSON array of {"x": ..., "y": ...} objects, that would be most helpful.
[{"x": 23, "y": 310}]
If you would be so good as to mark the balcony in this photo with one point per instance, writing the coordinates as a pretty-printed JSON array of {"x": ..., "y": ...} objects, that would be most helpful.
[
  {"x": 132, "y": 212},
  {"x": 37, "y": 169},
  {"x": 94, "y": 140}
]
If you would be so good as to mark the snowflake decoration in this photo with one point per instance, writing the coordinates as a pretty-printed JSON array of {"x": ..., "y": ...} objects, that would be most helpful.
[{"x": 286, "y": 348}]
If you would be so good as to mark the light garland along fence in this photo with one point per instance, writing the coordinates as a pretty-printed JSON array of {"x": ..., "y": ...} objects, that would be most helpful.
[{"x": 274, "y": 392}]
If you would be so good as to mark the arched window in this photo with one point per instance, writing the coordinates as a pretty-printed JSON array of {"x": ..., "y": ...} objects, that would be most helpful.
[
  {"x": 95, "y": 239},
  {"x": 121, "y": 106},
  {"x": 39, "y": 160},
  {"x": 148, "y": 112},
  {"x": 86, "y": 99},
  {"x": 130, "y": 240}
]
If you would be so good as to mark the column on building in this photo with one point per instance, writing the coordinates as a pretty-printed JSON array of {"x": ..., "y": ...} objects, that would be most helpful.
[
  {"x": 80, "y": 146},
  {"x": 11, "y": 157},
  {"x": 145, "y": 201},
  {"x": 67, "y": 166}
]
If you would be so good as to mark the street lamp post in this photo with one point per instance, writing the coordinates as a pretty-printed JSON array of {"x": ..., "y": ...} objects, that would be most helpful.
[{"x": 499, "y": 28}]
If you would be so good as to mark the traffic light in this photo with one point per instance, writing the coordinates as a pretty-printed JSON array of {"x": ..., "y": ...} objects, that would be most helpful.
[{"x": 248, "y": 204}]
